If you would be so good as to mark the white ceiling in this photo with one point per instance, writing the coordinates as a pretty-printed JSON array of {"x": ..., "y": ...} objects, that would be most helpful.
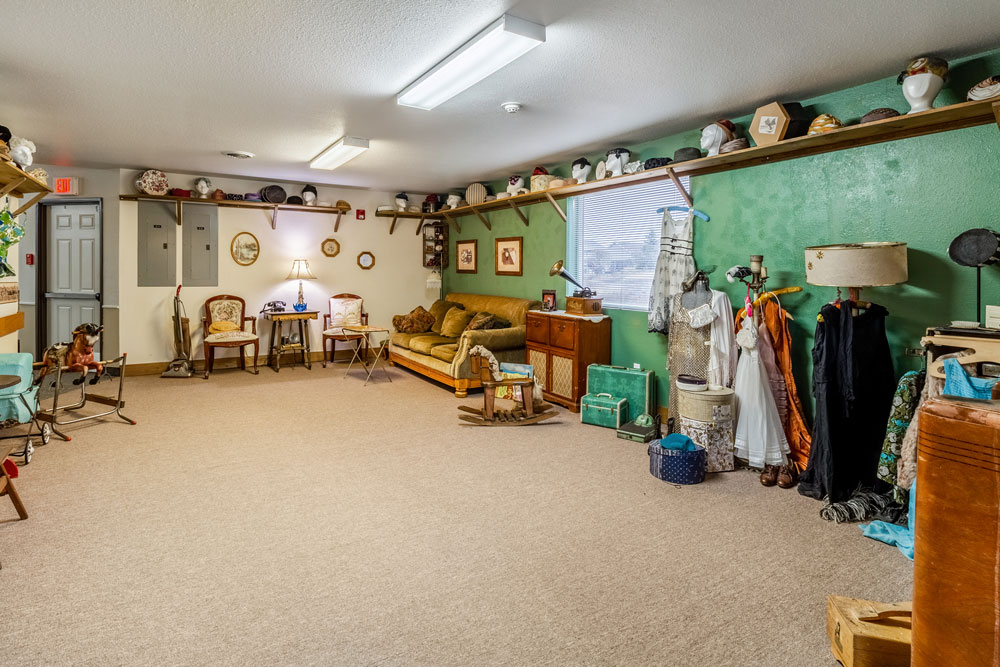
[{"x": 170, "y": 84}]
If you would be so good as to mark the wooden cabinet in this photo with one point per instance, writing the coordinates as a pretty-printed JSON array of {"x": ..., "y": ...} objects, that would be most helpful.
[
  {"x": 955, "y": 585},
  {"x": 560, "y": 347}
]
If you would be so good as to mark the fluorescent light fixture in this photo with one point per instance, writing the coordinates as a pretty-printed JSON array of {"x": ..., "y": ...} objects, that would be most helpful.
[
  {"x": 501, "y": 43},
  {"x": 343, "y": 150}
]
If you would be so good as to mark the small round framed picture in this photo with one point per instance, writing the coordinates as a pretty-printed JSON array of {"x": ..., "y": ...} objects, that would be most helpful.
[
  {"x": 331, "y": 247},
  {"x": 245, "y": 249}
]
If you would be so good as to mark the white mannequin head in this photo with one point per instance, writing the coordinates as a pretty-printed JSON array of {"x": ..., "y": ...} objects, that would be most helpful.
[
  {"x": 617, "y": 159},
  {"x": 581, "y": 169},
  {"x": 515, "y": 184},
  {"x": 921, "y": 89},
  {"x": 401, "y": 201},
  {"x": 309, "y": 195},
  {"x": 202, "y": 186},
  {"x": 712, "y": 138},
  {"x": 453, "y": 200}
]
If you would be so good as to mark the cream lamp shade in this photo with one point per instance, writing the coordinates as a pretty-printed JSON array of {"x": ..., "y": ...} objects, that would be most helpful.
[
  {"x": 300, "y": 270},
  {"x": 856, "y": 264}
]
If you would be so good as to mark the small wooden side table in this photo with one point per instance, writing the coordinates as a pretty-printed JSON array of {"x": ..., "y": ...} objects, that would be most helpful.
[
  {"x": 371, "y": 335},
  {"x": 276, "y": 347}
]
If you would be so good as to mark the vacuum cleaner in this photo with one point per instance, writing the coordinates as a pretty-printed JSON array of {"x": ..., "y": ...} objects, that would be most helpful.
[{"x": 181, "y": 366}]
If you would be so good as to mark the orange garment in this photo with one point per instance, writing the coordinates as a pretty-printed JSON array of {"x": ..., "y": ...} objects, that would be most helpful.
[{"x": 799, "y": 439}]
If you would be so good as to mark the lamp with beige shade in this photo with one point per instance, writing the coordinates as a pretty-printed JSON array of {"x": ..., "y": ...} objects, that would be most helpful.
[
  {"x": 300, "y": 271},
  {"x": 856, "y": 265}
]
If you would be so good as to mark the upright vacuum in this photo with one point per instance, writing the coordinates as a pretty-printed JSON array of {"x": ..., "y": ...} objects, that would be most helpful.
[{"x": 182, "y": 365}]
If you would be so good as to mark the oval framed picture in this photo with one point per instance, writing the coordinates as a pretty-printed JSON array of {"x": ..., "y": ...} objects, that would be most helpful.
[
  {"x": 330, "y": 247},
  {"x": 245, "y": 249},
  {"x": 366, "y": 260}
]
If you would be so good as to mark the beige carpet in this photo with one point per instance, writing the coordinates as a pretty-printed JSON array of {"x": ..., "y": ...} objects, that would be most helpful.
[{"x": 302, "y": 519}]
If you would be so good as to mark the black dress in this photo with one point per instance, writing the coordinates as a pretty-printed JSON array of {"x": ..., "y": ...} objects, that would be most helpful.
[{"x": 853, "y": 383}]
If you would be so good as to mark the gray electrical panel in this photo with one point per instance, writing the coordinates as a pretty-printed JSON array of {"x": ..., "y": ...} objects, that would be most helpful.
[
  {"x": 200, "y": 260},
  {"x": 157, "y": 251}
]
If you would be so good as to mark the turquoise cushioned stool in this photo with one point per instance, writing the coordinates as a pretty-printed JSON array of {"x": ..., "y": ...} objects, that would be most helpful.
[{"x": 18, "y": 402}]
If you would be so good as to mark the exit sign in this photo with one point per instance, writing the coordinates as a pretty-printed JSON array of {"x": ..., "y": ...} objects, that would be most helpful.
[{"x": 69, "y": 185}]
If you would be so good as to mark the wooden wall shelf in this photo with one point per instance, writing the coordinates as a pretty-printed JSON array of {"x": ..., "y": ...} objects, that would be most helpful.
[
  {"x": 239, "y": 203},
  {"x": 943, "y": 119},
  {"x": 18, "y": 183}
]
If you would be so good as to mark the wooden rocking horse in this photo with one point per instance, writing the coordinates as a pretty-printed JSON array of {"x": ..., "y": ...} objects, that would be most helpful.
[{"x": 528, "y": 410}]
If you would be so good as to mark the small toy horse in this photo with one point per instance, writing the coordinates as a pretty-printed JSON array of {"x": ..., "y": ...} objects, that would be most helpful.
[
  {"x": 76, "y": 356},
  {"x": 528, "y": 410}
]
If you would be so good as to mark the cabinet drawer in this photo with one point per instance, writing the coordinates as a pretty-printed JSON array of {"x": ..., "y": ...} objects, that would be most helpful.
[
  {"x": 562, "y": 333},
  {"x": 538, "y": 329}
]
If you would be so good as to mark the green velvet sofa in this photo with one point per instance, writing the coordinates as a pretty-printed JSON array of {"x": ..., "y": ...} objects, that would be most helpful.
[{"x": 446, "y": 360}]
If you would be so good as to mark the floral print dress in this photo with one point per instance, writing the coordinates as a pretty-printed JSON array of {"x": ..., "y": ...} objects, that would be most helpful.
[{"x": 904, "y": 405}]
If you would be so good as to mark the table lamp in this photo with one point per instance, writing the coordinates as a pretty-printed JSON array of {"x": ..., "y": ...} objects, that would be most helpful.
[
  {"x": 856, "y": 265},
  {"x": 300, "y": 271}
]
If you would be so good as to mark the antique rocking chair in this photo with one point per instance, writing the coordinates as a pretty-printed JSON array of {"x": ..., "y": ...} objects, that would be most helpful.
[{"x": 526, "y": 411}]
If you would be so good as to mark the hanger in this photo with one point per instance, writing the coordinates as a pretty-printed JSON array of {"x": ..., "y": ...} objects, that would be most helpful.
[
  {"x": 983, "y": 350},
  {"x": 767, "y": 296},
  {"x": 685, "y": 209}
]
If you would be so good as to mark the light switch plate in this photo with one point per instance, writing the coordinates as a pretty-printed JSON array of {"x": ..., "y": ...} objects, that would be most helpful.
[{"x": 993, "y": 317}]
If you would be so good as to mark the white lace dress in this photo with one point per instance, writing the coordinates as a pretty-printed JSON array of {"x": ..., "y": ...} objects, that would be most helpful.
[
  {"x": 759, "y": 436},
  {"x": 674, "y": 265}
]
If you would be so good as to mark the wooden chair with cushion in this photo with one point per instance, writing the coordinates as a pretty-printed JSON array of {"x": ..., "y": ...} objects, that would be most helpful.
[
  {"x": 345, "y": 310},
  {"x": 224, "y": 325}
]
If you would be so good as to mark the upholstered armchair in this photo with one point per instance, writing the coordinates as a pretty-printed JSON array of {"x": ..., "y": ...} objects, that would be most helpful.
[
  {"x": 345, "y": 310},
  {"x": 225, "y": 325}
]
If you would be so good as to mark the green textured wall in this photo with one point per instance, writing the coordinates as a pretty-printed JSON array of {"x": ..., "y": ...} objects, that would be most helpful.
[{"x": 923, "y": 190}]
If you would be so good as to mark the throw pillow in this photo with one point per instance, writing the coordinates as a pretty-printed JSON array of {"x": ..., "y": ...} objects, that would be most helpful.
[
  {"x": 439, "y": 309},
  {"x": 345, "y": 312},
  {"x": 417, "y": 321},
  {"x": 219, "y": 327},
  {"x": 455, "y": 322},
  {"x": 482, "y": 320},
  {"x": 500, "y": 323}
]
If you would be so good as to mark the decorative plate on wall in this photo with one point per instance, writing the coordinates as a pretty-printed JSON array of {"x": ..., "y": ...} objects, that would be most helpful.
[
  {"x": 366, "y": 260},
  {"x": 331, "y": 247},
  {"x": 245, "y": 249},
  {"x": 152, "y": 182}
]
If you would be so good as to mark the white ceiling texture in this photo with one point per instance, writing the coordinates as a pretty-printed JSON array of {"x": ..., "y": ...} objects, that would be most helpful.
[{"x": 170, "y": 84}]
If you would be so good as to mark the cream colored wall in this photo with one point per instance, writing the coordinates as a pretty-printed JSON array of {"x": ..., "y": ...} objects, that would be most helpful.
[{"x": 396, "y": 284}]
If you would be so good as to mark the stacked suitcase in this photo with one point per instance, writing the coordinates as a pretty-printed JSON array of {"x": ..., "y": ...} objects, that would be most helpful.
[{"x": 617, "y": 395}]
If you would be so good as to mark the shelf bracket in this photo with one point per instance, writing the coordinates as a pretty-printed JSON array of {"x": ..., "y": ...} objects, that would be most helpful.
[
  {"x": 454, "y": 222},
  {"x": 392, "y": 227},
  {"x": 12, "y": 186},
  {"x": 552, "y": 200},
  {"x": 274, "y": 218},
  {"x": 481, "y": 218},
  {"x": 420, "y": 225},
  {"x": 680, "y": 187},
  {"x": 518, "y": 211},
  {"x": 31, "y": 202},
  {"x": 336, "y": 225}
]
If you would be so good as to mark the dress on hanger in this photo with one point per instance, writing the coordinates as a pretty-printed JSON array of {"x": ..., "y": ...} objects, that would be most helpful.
[
  {"x": 853, "y": 383},
  {"x": 723, "y": 349},
  {"x": 674, "y": 265},
  {"x": 760, "y": 439}
]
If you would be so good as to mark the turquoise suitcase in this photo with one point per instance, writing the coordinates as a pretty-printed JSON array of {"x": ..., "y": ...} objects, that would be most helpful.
[
  {"x": 603, "y": 410},
  {"x": 634, "y": 384}
]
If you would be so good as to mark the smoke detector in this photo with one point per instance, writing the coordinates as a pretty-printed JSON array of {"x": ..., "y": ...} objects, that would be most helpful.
[
  {"x": 238, "y": 155},
  {"x": 511, "y": 107}
]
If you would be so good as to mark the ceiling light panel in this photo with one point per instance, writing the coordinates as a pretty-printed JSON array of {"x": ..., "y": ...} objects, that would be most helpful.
[
  {"x": 502, "y": 42},
  {"x": 341, "y": 151}
]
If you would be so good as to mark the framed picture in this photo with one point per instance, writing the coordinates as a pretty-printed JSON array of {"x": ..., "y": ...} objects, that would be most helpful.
[
  {"x": 245, "y": 249},
  {"x": 548, "y": 300},
  {"x": 468, "y": 256},
  {"x": 509, "y": 258}
]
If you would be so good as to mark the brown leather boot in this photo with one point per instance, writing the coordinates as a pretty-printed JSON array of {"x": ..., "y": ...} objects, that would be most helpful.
[
  {"x": 770, "y": 475},
  {"x": 788, "y": 476}
]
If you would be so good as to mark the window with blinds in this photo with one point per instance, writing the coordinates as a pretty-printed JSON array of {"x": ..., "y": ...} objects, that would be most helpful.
[{"x": 613, "y": 240}]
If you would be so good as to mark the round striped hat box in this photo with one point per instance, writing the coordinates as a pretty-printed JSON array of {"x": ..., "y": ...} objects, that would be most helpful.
[{"x": 475, "y": 194}]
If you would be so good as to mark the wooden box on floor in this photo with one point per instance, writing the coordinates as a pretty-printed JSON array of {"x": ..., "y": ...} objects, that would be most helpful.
[
  {"x": 559, "y": 349},
  {"x": 868, "y": 634}
]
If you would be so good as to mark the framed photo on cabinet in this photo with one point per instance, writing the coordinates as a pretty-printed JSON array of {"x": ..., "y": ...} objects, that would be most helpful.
[
  {"x": 467, "y": 253},
  {"x": 509, "y": 258},
  {"x": 548, "y": 300}
]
